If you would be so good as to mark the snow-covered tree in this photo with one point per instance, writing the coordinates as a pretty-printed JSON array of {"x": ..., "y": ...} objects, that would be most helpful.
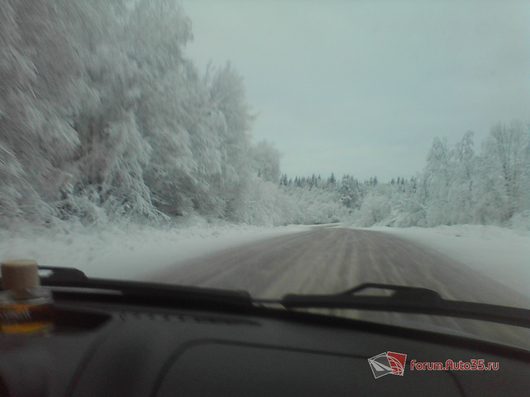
[
  {"x": 504, "y": 166},
  {"x": 436, "y": 179},
  {"x": 459, "y": 185},
  {"x": 460, "y": 200},
  {"x": 266, "y": 160},
  {"x": 38, "y": 75}
]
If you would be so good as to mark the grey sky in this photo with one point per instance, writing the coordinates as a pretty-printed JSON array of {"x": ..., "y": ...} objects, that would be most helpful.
[{"x": 363, "y": 87}]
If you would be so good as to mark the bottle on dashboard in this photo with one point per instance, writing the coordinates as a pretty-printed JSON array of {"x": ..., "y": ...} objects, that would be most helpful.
[{"x": 25, "y": 306}]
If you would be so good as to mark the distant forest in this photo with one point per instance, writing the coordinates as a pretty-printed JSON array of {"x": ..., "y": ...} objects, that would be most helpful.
[
  {"x": 456, "y": 186},
  {"x": 104, "y": 119}
]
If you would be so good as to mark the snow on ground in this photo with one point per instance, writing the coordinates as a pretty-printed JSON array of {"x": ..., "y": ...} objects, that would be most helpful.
[
  {"x": 127, "y": 252},
  {"x": 499, "y": 253}
]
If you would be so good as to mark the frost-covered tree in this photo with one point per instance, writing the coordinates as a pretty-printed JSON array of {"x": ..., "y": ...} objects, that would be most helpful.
[
  {"x": 102, "y": 110},
  {"x": 436, "y": 179},
  {"x": 228, "y": 98},
  {"x": 39, "y": 72},
  {"x": 126, "y": 68},
  {"x": 266, "y": 161},
  {"x": 504, "y": 165},
  {"x": 350, "y": 192},
  {"x": 459, "y": 185},
  {"x": 460, "y": 200}
]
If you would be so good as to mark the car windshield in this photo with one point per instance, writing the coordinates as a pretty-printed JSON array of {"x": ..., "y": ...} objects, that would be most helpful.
[{"x": 274, "y": 147}]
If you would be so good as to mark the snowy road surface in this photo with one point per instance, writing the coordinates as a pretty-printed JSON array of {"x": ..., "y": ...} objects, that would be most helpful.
[
  {"x": 333, "y": 259},
  {"x": 327, "y": 260}
]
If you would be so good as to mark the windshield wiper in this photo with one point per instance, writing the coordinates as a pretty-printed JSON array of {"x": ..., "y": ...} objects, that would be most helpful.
[
  {"x": 144, "y": 292},
  {"x": 401, "y": 299},
  {"x": 409, "y": 300}
]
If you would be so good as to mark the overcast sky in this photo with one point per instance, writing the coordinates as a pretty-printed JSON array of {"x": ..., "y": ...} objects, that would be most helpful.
[{"x": 364, "y": 87}]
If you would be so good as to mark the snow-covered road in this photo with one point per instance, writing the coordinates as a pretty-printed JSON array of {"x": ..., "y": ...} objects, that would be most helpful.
[{"x": 334, "y": 259}]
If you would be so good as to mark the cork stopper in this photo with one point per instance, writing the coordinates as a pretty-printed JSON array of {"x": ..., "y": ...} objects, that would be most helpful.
[{"x": 20, "y": 274}]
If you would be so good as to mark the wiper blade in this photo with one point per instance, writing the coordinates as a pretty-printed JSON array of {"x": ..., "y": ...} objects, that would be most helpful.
[
  {"x": 409, "y": 300},
  {"x": 143, "y": 291}
]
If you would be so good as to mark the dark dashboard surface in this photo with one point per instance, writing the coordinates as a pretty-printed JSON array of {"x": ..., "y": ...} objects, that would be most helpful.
[{"x": 112, "y": 349}]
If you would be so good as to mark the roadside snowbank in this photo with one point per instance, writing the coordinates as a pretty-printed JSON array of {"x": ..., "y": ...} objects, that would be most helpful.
[
  {"x": 499, "y": 253},
  {"x": 127, "y": 251}
]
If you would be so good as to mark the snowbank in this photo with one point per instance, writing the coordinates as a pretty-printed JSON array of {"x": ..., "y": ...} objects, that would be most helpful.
[
  {"x": 127, "y": 251},
  {"x": 499, "y": 253}
]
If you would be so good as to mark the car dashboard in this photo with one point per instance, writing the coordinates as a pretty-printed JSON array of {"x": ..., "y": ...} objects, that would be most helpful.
[{"x": 110, "y": 347}]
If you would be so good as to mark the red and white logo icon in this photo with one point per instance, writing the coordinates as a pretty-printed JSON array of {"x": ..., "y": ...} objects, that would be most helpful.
[{"x": 388, "y": 363}]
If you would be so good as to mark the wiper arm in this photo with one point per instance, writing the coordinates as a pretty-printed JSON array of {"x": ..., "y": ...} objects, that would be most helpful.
[
  {"x": 61, "y": 274},
  {"x": 409, "y": 300},
  {"x": 144, "y": 291}
]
